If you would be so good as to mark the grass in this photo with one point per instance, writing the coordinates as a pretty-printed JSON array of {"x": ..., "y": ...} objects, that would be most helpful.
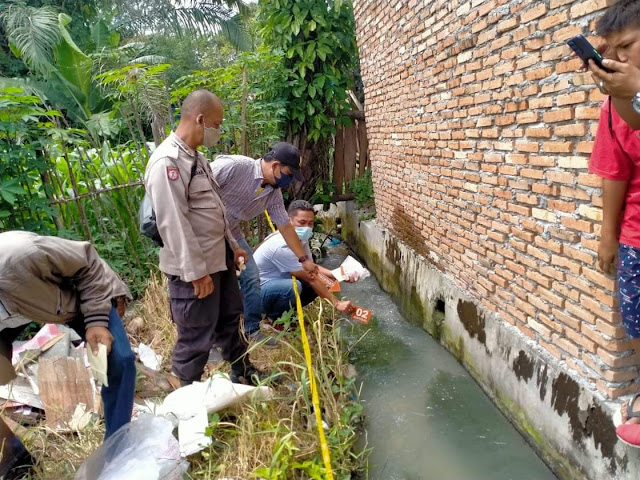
[{"x": 275, "y": 439}]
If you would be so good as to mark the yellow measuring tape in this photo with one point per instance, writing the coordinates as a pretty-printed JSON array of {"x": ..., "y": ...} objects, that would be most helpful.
[{"x": 315, "y": 399}]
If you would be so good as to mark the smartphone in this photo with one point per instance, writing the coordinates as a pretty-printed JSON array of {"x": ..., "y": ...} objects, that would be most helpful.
[{"x": 586, "y": 51}]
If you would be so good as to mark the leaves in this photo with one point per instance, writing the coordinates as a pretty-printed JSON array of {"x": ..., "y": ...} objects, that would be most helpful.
[
  {"x": 9, "y": 189},
  {"x": 320, "y": 54},
  {"x": 73, "y": 65},
  {"x": 33, "y": 34}
]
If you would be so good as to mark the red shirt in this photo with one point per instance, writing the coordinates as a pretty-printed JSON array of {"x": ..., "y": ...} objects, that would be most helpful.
[{"x": 620, "y": 160}]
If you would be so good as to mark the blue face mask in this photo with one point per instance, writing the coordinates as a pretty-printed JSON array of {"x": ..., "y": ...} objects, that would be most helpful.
[
  {"x": 304, "y": 233},
  {"x": 284, "y": 181}
]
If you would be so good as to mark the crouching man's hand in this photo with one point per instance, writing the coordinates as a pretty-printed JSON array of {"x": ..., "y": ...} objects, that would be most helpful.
[
  {"x": 344, "y": 306},
  {"x": 96, "y": 335}
]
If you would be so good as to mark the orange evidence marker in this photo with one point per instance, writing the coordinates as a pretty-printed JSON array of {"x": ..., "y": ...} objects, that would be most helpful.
[{"x": 361, "y": 315}]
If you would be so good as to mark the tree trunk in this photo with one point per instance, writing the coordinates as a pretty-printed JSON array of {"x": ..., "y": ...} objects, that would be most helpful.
[{"x": 243, "y": 113}]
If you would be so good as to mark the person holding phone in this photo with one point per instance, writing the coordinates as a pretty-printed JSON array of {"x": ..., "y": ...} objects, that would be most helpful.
[
  {"x": 616, "y": 159},
  {"x": 622, "y": 58}
]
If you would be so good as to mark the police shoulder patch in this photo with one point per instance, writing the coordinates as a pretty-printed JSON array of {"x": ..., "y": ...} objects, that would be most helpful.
[{"x": 173, "y": 173}]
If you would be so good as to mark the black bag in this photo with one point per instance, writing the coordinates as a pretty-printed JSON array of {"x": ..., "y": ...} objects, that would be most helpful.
[
  {"x": 148, "y": 225},
  {"x": 147, "y": 217}
]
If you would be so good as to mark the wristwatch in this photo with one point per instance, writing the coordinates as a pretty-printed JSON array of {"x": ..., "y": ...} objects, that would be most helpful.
[
  {"x": 635, "y": 103},
  {"x": 303, "y": 258}
]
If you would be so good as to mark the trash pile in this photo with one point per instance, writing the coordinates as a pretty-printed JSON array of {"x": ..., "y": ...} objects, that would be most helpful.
[{"x": 58, "y": 383}]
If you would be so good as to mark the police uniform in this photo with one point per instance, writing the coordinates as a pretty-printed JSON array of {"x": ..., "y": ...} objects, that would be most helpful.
[{"x": 197, "y": 241}]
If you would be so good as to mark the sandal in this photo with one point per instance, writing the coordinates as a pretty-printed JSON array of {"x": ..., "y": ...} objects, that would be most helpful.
[{"x": 631, "y": 413}]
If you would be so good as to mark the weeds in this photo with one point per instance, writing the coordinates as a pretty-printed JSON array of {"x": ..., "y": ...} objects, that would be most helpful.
[{"x": 275, "y": 439}]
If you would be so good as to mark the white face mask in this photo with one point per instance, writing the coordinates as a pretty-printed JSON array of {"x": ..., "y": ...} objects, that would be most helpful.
[
  {"x": 304, "y": 233},
  {"x": 211, "y": 136}
]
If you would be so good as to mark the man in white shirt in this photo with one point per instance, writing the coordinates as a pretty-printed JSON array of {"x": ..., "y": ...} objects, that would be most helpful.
[{"x": 277, "y": 263}]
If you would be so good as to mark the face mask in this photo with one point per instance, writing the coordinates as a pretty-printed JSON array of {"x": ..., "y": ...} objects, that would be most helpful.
[
  {"x": 284, "y": 181},
  {"x": 211, "y": 136},
  {"x": 304, "y": 233}
]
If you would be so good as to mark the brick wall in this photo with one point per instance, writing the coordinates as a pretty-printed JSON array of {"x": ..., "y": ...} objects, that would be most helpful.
[{"x": 480, "y": 130}]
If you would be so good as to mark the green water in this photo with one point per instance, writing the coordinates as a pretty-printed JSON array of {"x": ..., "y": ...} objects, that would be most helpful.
[{"x": 426, "y": 418}]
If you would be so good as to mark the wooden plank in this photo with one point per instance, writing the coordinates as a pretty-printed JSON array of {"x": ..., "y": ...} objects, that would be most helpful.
[
  {"x": 338, "y": 161},
  {"x": 350, "y": 146},
  {"x": 363, "y": 146},
  {"x": 64, "y": 382}
]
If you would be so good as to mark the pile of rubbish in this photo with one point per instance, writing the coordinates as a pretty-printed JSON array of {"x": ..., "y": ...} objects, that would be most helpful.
[{"x": 55, "y": 385}]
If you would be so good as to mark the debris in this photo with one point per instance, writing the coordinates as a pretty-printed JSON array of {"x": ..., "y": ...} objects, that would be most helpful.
[
  {"x": 135, "y": 325},
  {"x": 217, "y": 393},
  {"x": 20, "y": 392},
  {"x": 57, "y": 346},
  {"x": 47, "y": 333},
  {"x": 190, "y": 405},
  {"x": 80, "y": 418},
  {"x": 153, "y": 384},
  {"x": 191, "y": 433},
  {"x": 148, "y": 357},
  {"x": 64, "y": 383},
  {"x": 144, "y": 449}
]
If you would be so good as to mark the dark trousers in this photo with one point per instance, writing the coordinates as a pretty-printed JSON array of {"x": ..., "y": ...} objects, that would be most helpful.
[
  {"x": 117, "y": 398},
  {"x": 201, "y": 322},
  {"x": 278, "y": 296}
]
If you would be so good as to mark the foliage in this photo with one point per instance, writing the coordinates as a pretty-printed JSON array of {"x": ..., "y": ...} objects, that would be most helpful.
[
  {"x": 265, "y": 106},
  {"x": 44, "y": 165},
  {"x": 135, "y": 18},
  {"x": 320, "y": 51},
  {"x": 362, "y": 188},
  {"x": 23, "y": 194},
  {"x": 278, "y": 439}
]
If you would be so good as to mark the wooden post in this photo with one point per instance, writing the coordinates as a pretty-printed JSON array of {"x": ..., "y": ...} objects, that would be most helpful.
[
  {"x": 338, "y": 161},
  {"x": 363, "y": 144},
  {"x": 350, "y": 143}
]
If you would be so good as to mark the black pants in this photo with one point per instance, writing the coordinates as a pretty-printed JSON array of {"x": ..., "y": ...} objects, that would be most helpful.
[{"x": 201, "y": 322}]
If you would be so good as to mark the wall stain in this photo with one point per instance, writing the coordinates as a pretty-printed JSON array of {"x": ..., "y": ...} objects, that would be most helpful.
[
  {"x": 541, "y": 381},
  {"x": 592, "y": 422},
  {"x": 523, "y": 367},
  {"x": 473, "y": 323}
]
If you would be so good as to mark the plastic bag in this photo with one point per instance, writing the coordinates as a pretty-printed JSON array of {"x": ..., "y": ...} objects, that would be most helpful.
[
  {"x": 350, "y": 268},
  {"x": 144, "y": 449}
]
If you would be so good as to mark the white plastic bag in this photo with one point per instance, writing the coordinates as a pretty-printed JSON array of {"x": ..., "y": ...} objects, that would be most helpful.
[
  {"x": 144, "y": 449},
  {"x": 350, "y": 268}
]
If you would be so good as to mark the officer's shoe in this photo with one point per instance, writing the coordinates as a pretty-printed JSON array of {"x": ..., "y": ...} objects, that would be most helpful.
[
  {"x": 262, "y": 339},
  {"x": 248, "y": 375},
  {"x": 19, "y": 465}
]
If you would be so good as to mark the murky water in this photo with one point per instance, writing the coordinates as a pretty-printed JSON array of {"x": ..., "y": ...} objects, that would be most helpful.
[{"x": 426, "y": 418}]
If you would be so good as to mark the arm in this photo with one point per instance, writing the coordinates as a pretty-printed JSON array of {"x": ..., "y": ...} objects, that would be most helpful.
[
  {"x": 622, "y": 85},
  {"x": 319, "y": 287},
  {"x": 613, "y": 196},
  {"x": 169, "y": 201},
  {"x": 80, "y": 261}
]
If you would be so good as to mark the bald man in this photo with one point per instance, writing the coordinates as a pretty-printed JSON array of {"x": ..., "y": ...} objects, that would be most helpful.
[{"x": 199, "y": 251}]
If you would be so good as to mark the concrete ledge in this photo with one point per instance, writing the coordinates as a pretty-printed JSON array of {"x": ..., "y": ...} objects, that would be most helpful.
[{"x": 567, "y": 422}]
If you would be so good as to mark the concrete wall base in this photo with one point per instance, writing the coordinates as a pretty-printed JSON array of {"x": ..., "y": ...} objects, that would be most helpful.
[{"x": 569, "y": 424}]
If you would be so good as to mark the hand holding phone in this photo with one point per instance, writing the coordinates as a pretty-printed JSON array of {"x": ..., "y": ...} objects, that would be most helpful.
[{"x": 586, "y": 51}]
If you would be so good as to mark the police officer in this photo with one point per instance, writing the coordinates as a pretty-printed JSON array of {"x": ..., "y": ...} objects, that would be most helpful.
[
  {"x": 52, "y": 280},
  {"x": 199, "y": 251}
]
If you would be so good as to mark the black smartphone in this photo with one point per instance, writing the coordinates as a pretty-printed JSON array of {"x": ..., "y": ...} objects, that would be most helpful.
[{"x": 586, "y": 51}]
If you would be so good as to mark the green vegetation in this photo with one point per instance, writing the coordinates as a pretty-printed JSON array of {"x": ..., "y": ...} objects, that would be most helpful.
[{"x": 88, "y": 88}]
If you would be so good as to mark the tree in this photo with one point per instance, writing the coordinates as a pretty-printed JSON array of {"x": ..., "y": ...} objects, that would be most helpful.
[
  {"x": 136, "y": 18},
  {"x": 318, "y": 41}
]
